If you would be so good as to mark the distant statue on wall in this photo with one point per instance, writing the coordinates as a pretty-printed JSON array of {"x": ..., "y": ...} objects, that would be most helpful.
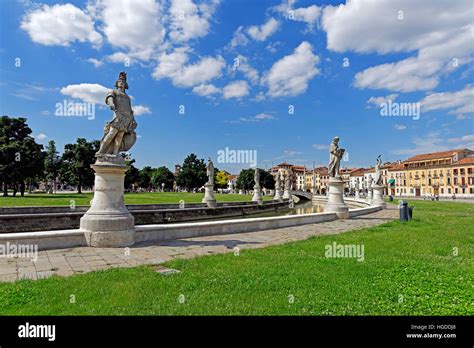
[
  {"x": 210, "y": 172},
  {"x": 119, "y": 133},
  {"x": 378, "y": 172},
  {"x": 335, "y": 156},
  {"x": 256, "y": 177},
  {"x": 277, "y": 181}
]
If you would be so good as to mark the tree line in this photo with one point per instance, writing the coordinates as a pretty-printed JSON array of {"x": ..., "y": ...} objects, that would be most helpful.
[{"x": 24, "y": 164}]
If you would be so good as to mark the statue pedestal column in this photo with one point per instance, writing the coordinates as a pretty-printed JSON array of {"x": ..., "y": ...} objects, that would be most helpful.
[
  {"x": 209, "y": 196},
  {"x": 257, "y": 195},
  {"x": 108, "y": 223},
  {"x": 378, "y": 197},
  {"x": 278, "y": 195},
  {"x": 335, "y": 203}
]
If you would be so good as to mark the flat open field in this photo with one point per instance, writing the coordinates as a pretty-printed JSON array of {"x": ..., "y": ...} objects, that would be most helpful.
[{"x": 423, "y": 267}]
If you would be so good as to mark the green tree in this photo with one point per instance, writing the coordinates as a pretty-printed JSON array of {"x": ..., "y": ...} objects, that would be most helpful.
[
  {"x": 162, "y": 175},
  {"x": 52, "y": 164},
  {"x": 132, "y": 175},
  {"x": 21, "y": 158},
  {"x": 76, "y": 163},
  {"x": 144, "y": 180},
  {"x": 245, "y": 181},
  {"x": 222, "y": 179},
  {"x": 267, "y": 180},
  {"x": 192, "y": 174}
]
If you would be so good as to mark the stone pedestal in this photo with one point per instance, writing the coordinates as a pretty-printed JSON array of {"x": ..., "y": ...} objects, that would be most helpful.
[
  {"x": 257, "y": 195},
  {"x": 370, "y": 195},
  {"x": 278, "y": 195},
  {"x": 378, "y": 197},
  {"x": 209, "y": 196},
  {"x": 108, "y": 223},
  {"x": 357, "y": 194},
  {"x": 335, "y": 203},
  {"x": 241, "y": 192},
  {"x": 286, "y": 194}
]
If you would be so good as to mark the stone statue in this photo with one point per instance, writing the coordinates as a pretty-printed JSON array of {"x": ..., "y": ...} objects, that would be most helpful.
[
  {"x": 277, "y": 182},
  {"x": 370, "y": 181},
  {"x": 210, "y": 172},
  {"x": 378, "y": 173},
  {"x": 256, "y": 177},
  {"x": 287, "y": 181},
  {"x": 119, "y": 133},
  {"x": 335, "y": 155}
]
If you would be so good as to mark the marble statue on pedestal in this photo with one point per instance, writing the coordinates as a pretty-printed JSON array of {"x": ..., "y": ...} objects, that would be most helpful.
[
  {"x": 378, "y": 185},
  {"x": 119, "y": 133},
  {"x": 209, "y": 186},
  {"x": 257, "y": 193},
  {"x": 278, "y": 194},
  {"x": 108, "y": 223},
  {"x": 286, "y": 192},
  {"x": 335, "y": 203},
  {"x": 370, "y": 193}
]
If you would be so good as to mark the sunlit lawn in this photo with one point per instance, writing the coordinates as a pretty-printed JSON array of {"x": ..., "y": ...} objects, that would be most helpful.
[{"x": 423, "y": 267}]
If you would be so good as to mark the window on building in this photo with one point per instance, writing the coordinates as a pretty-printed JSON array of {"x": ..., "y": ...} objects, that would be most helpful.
[
  {"x": 442, "y": 191},
  {"x": 449, "y": 190}
]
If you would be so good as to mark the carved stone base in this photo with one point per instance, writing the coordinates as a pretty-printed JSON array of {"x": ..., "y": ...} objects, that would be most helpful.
[
  {"x": 286, "y": 194},
  {"x": 278, "y": 195},
  {"x": 378, "y": 197},
  {"x": 108, "y": 223},
  {"x": 209, "y": 196},
  {"x": 257, "y": 195},
  {"x": 335, "y": 203}
]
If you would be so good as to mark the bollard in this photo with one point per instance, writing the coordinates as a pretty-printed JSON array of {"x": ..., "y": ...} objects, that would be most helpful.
[
  {"x": 403, "y": 209},
  {"x": 410, "y": 212}
]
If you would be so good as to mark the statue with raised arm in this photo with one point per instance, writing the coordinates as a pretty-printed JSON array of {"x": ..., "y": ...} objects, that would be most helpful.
[
  {"x": 119, "y": 133},
  {"x": 210, "y": 172},
  {"x": 378, "y": 172},
  {"x": 335, "y": 156}
]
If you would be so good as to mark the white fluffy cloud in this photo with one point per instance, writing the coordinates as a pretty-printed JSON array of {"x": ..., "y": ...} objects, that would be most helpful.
[
  {"x": 188, "y": 20},
  {"x": 237, "y": 89},
  {"x": 96, "y": 62},
  {"x": 88, "y": 92},
  {"x": 173, "y": 66},
  {"x": 262, "y": 32},
  {"x": 439, "y": 33},
  {"x": 60, "y": 25},
  {"x": 206, "y": 90},
  {"x": 41, "y": 136},
  {"x": 134, "y": 26},
  {"x": 141, "y": 110},
  {"x": 290, "y": 75},
  {"x": 376, "y": 101},
  {"x": 247, "y": 70},
  {"x": 308, "y": 14},
  {"x": 458, "y": 103}
]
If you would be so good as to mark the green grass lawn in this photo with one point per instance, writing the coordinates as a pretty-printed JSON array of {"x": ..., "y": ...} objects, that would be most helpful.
[
  {"x": 409, "y": 269},
  {"x": 130, "y": 198}
]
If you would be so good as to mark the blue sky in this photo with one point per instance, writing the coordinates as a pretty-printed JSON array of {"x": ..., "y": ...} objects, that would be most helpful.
[{"x": 290, "y": 53}]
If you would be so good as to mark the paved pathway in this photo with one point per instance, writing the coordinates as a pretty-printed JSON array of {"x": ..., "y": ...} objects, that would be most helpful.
[{"x": 65, "y": 262}]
